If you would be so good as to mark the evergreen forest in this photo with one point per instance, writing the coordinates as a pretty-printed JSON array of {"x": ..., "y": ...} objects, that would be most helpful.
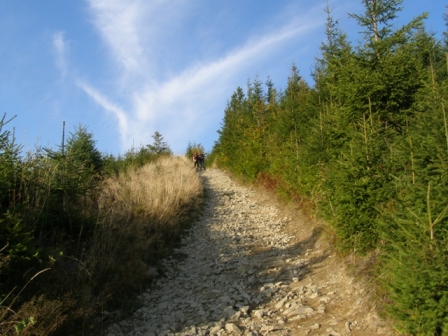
[{"x": 366, "y": 149}]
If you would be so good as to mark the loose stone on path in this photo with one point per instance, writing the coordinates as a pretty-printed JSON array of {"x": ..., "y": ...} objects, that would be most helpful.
[{"x": 243, "y": 275}]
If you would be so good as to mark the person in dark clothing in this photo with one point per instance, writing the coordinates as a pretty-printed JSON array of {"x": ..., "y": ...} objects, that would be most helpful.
[
  {"x": 196, "y": 159},
  {"x": 201, "y": 160}
]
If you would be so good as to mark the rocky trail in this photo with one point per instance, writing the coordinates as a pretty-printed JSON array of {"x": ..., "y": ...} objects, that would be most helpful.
[{"x": 247, "y": 267}]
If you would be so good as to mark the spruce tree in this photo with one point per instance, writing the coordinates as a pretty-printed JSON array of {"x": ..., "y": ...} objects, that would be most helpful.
[
  {"x": 291, "y": 129},
  {"x": 231, "y": 134},
  {"x": 255, "y": 151},
  {"x": 159, "y": 146},
  {"x": 82, "y": 151}
]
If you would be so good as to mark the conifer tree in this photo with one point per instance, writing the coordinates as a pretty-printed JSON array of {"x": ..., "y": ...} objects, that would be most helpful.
[
  {"x": 82, "y": 151},
  {"x": 254, "y": 155},
  {"x": 377, "y": 18},
  {"x": 387, "y": 75},
  {"x": 331, "y": 66},
  {"x": 159, "y": 146},
  {"x": 333, "y": 76},
  {"x": 229, "y": 145},
  {"x": 291, "y": 129},
  {"x": 445, "y": 33}
]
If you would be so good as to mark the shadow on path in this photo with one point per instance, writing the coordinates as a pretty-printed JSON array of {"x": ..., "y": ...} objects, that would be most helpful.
[{"x": 234, "y": 260}]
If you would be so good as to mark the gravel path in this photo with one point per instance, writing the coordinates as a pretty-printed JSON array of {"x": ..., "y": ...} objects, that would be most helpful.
[{"x": 238, "y": 271}]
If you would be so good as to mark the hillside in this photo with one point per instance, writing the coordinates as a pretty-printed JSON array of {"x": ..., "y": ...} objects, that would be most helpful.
[{"x": 253, "y": 267}]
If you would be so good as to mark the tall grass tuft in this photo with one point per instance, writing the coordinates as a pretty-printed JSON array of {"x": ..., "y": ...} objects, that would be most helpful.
[
  {"x": 159, "y": 191},
  {"x": 140, "y": 213}
]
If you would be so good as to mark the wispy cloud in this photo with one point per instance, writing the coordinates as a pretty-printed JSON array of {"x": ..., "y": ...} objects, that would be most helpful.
[
  {"x": 118, "y": 24},
  {"x": 117, "y": 111},
  {"x": 188, "y": 101},
  {"x": 183, "y": 106},
  {"x": 61, "y": 50},
  {"x": 134, "y": 32}
]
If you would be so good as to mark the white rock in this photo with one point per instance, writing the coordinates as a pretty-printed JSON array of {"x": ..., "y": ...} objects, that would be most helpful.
[
  {"x": 325, "y": 299},
  {"x": 297, "y": 317},
  {"x": 244, "y": 310},
  {"x": 313, "y": 295},
  {"x": 293, "y": 311},
  {"x": 232, "y": 328},
  {"x": 214, "y": 331},
  {"x": 258, "y": 313},
  {"x": 280, "y": 304}
]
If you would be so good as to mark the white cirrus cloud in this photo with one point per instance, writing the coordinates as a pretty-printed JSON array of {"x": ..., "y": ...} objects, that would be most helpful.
[
  {"x": 61, "y": 50},
  {"x": 117, "y": 22},
  {"x": 183, "y": 106},
  {"x": 118, "y": 112}
]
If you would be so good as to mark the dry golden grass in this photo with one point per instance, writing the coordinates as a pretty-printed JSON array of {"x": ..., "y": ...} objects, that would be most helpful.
[
  {"x": 159, "y": 191},
  {"x": 141, "y": 212}
]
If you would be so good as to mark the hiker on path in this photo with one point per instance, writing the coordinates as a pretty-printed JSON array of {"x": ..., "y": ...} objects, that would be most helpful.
[
  {"x": 201, "y": 161},
  {"x": 196, "y": 159}
]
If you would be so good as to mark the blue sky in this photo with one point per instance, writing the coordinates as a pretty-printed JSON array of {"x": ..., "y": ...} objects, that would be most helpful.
[{"x": 128, "y": 68}]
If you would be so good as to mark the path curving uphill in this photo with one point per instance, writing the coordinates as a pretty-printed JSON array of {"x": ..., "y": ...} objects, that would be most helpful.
[{"x": 247, "y": 268}]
